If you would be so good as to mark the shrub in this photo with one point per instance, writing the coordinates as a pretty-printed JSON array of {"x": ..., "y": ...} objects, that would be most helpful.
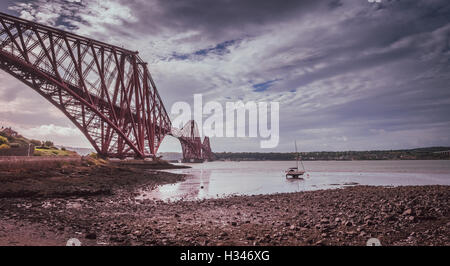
[
  {"x": 3, "y": 140},
  {"x": 93, "y": 159},
  {"x": 4, "y": 146},
  {"x": 48, "y": 143},
  {"x": 63, "y": 148}
]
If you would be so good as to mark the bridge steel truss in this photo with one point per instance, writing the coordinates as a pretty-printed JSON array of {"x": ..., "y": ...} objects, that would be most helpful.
[
  {"x": 106, "y": 91},
  {"x": 194, "y": 150}
]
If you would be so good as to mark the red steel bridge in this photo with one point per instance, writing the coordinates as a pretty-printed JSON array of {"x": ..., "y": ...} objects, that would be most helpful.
[{"x": 106, "y": 91}]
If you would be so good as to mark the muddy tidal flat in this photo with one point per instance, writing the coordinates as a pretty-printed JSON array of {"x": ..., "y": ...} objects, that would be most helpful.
[{"x": 100, "y": 207}]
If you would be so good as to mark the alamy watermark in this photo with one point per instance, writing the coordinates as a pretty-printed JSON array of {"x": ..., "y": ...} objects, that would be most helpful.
[
  {"x": 373, "y": 242},
  {"x": 73, "y": 242},
  {"x": 263, "y": 119}
]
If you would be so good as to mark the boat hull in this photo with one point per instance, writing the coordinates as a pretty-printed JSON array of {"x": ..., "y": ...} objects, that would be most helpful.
[{"x": 295, "y": 174}]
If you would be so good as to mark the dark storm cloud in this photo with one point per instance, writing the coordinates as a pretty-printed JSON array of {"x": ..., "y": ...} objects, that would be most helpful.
[
  {"x": 218, "y": 18},
  {"x": 351, "y": 46},
  {"x": 410, "y": 108},
  {"x": 224, "y": 17},
  {"x": 348, "y": 66}
]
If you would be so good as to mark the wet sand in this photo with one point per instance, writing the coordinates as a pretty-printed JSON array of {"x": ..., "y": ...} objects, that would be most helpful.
[{"x": 100, "y": 208}]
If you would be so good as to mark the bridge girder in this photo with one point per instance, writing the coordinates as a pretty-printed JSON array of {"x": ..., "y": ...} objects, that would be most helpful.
[
  {"x": 192, "y": 147},
  {"x": 105, "y": 90}
]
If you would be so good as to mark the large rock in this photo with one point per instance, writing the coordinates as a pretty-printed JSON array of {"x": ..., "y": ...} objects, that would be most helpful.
[{"x": 407, "y": 212}]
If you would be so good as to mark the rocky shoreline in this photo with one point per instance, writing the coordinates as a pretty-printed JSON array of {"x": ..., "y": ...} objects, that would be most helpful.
[
  {"x": 410, "y": 215},
  {"x": 88, "y": 177}
]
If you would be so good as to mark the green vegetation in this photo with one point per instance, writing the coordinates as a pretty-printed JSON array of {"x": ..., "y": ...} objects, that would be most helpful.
[
  {"x": 53, "y": 152},
  {"x": 431, "y": 153},
  {"x": 4, "y": 143},
  {"x": 47, "y": 143},
  {"x": 21, "y": 141},
  {"x": 94, "y": 159},
  {"x": 4, "y": 146},
  {"x": 42, "y": 148},
  {"x": 3, "y": 140}
]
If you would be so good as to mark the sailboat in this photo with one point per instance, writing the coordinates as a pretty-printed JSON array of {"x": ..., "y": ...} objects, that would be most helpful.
[{"x": 294, "y": 172}]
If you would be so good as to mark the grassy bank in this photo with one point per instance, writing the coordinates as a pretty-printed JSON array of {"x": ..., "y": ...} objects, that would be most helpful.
[{"x": 53, "y": 152}]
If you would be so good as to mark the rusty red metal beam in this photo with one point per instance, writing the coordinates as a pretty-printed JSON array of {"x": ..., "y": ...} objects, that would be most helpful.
[{"x": 106, "y": 91}]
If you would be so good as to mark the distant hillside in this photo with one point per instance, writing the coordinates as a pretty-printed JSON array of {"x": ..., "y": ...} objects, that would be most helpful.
[
  {"x": 14, "y": 138},
  {"x": 429, "y": 149},
  {"x": 13, "y": 144},
  {"x": 428, "y": 153}
]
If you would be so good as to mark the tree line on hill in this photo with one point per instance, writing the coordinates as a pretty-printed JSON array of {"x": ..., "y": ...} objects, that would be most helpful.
[{"x": 430, "y": 153}]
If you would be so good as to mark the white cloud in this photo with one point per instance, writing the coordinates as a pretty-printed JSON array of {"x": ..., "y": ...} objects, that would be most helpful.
[{"x": 51, "y": 130}]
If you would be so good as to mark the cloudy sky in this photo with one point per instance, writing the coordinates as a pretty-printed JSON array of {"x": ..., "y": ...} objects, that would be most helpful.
[{"x": 349, "y": 74}]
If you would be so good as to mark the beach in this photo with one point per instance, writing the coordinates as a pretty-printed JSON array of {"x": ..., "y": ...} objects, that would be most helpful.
[{"x": 110, "y": 213}]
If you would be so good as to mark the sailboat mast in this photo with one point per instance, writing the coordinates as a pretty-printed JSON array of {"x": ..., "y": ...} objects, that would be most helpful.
[
  {"x": 303, "y": 166},
  {"x": 298, "y": 157}
]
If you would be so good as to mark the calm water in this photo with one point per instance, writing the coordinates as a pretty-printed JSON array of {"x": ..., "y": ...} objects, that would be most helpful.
[{"x": 218, "y": 179}]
